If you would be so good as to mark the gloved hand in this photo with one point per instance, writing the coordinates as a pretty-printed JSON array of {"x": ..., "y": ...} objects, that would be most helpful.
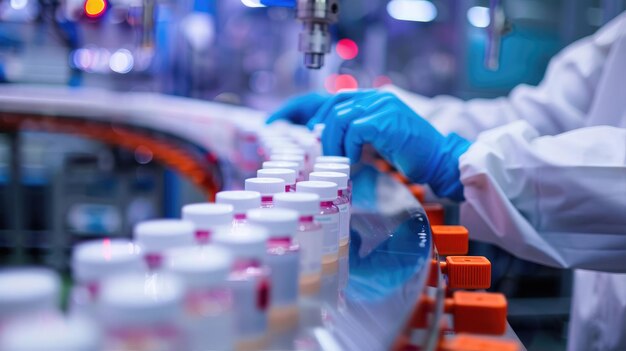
[
  {"x": 307, "y": 108},
  {"x": 401, "y": 136}
]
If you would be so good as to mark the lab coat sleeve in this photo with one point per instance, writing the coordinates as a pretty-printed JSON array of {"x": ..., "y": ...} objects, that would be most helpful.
[
  {"x": 556, "y": 200},
  {"x": 558, "y": 104}
]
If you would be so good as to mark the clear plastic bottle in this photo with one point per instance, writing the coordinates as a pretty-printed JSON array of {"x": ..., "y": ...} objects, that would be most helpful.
[
  {"x": 283, "y": 258},
  {"x": 206, "y": 217},
  {"x": 94, "y": 261},
  {"x": 28, "y": 292},
  {"x": 139, "y": 314},
  {"x": 342, "y": 202},
  {"x": 242, "y": 201},
  {"x": 309, "y": 235},
  {"x": 336, "y": 167},
  {"x": 288, "y": 175},
  {"x": 249, "y": 280},
  {"x": 328, "y": 217},
  {"x": 208, "y": 303},
  {"x": 54, "y": 332},
  {"x": 267, "y": 187},
  {"x": 299, "y": 159},
  {"x": 155, "y": 236}
]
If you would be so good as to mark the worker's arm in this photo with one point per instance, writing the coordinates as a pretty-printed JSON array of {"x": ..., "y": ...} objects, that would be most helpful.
[
  {"x": 557, "y": 200},
  {"x": 558, "y": 104}
]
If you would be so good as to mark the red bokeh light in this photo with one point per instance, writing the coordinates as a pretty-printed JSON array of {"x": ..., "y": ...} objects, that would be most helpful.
[
  {"x": 347, "y": 49},
  {"x": 338, "y": 82}
]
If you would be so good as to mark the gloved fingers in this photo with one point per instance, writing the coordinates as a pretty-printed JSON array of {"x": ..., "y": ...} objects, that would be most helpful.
[
  {"x": 299, "y": 109},
  {"x": 322, "y": 112},
  {"x": 361, "y": 131},
  {"x": 337, "y": 122}
]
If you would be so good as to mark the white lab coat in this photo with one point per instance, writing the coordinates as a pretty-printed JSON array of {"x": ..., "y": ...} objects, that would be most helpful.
[{"x": 546, "y": 176}]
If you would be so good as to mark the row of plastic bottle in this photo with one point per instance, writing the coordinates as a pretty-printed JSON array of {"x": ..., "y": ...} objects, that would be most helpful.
[{"x": 220, "y": 278}]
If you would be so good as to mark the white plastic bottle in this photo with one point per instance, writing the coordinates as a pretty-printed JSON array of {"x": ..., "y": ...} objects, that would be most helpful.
[
  {"x": 342, "y": 202},
  {"x": 155, "y": 236},
  {"x": 54, "y": 332},
  {"x": 142, "y": 315},
  {"x": 206, "y": 217},
  {"x": 284, "y": 164},
  {"x": 94, "y": 261},
  {"x": 283, "y": 258},
  {"x": 309, "y": 235},
  {"x": 28, "y": 292},
  {"x": 250, "y": 282},
  {"x": 242, "y": 201},
  {"x": 288, "y": 175},
  {"x": 208, "y": 303},
  {"x": 328, "y": 217},
  {"x": 267, "y": 187},
  {"x": 336, "y": 167}
]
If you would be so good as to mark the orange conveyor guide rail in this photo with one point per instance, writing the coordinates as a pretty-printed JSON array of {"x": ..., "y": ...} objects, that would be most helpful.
[
  {"x": 199, "y": 167},
  {"x": 478, "y": 317}
]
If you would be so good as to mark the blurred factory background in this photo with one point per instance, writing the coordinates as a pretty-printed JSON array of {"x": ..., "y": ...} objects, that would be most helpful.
[{"x": 230, "y": 51}]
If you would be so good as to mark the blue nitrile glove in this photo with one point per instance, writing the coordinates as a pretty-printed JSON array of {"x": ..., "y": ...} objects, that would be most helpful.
[
  {"x": 401, "y": 136},
  {"x": 305, "y": 109},
  {"x": 300, "y": 109}
]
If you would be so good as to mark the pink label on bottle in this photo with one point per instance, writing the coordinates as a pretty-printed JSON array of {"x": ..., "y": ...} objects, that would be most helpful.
[
  {"x": 153, "y": 260},
  {"x": 203, "y": 236}
]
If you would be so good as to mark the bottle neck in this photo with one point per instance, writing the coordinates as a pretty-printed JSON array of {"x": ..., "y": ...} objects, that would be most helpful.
[
  {"x": 342, "y": 192},
  {"x": 154, "y": 260},
  {"x": 239, "y": 216},
  {"x": 246, "y": 262},
  {"x": 280, "y": 240},
  {"x": 306, "y": 219},
  {"x": 326, "y": 204},
  {"x": 203, "y": 236},
  {"x": 290, "y": 188},
  {"x": 267, "y": 198}
]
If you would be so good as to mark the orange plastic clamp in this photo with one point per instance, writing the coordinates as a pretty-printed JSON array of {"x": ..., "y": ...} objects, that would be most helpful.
[
  {"x": 435, "y": 214},
  {"x": 475, "y": 343},
  {"x": 478, "y": 312},
  {"x": 468, "y": 272},
  {"x": 464, "y": 272},
  {"x": 418, "y": 191},
  {"x": 450, "y": 239}
]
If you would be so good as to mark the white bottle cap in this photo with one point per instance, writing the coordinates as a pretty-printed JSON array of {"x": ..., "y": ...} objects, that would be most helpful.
[
  {"x": 208, "y": 215},
  {"x": 333, "y": 159},
  {"x": 338, "y": 178},
  {"x": 158, "y": 235},
  {"x": 248, "y": 241},
  {"x": 279, "y": 222},
  {"x": 288, "y": 175},
  {"x": 98, "y": 259},
  {"x": 294, "y": 166},
  {"x": 307, "y": 204},
  {"x": 241, "y": 200},
  {"x": 327, "y": 191},
  {"x": 332, "y": 167},
  {"x": 137, "y": 299},
  {"x": 265, "y": 186},
  {"x": 51, "y": 333},
  {"x": 28, "y": 290},
  {"x": 201, "y": 266},
  {"x": 299, "y": 159}
]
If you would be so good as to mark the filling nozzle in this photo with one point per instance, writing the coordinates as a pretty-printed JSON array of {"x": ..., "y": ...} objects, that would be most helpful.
[{"x": 316, "y": 15}]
